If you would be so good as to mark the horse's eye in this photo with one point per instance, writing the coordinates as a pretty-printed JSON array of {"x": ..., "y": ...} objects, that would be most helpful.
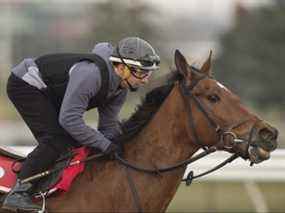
[{"x": 213, "y": 98}]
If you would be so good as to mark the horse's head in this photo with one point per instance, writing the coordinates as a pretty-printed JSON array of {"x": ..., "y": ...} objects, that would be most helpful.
[{"x": 217, "y": 117}]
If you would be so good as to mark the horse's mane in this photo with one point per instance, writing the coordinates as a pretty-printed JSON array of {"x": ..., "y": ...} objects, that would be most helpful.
[{"x": 146, "y": 110}]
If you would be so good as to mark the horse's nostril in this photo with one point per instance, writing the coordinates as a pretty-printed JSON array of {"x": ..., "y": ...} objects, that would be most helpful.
[{"x": 268, "y": 134}]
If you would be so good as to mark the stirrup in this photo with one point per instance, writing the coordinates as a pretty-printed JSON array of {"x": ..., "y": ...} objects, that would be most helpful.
[{"x": 43, "y": 210}]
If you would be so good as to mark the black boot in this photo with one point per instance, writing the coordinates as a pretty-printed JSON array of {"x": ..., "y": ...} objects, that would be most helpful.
[{"x": 19, "y": 198}]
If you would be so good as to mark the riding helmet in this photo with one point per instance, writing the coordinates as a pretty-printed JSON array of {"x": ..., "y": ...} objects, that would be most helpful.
[{"x": 136, "y": 52}]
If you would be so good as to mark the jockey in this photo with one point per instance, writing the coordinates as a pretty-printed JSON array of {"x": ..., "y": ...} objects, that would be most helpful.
[{"x": 52, "y": 92}]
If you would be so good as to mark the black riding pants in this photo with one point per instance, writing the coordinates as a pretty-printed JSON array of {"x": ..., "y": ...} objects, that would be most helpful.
[{"x": 41, "y": 116}]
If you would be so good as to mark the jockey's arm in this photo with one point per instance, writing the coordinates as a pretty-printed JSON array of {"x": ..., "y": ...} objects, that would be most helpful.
[
  {"x": 84, "y": 83},
  {"x": 108, "y": 116}
]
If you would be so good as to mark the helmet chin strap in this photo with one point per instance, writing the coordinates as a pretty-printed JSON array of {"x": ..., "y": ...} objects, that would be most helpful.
[
  {"x": 127, "y": 73},
  {"x": 125, "y": 76},
  {"x": 132, "y": 89}
]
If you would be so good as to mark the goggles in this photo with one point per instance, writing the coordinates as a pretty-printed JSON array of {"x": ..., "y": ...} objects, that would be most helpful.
[{"x": 139, "y": 73}]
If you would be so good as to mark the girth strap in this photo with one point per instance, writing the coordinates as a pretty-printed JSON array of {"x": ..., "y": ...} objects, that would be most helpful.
[{"x": 133, "y": 190}]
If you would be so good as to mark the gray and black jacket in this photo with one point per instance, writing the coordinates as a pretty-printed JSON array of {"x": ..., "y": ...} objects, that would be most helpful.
[{"x": 84, "y": 83}]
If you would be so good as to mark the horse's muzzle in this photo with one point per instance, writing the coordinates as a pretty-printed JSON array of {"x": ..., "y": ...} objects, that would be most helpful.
[
  {"x": 256, "y": 145},
  {"x": 263, "y": 142},
  {"x": 267, "y": 138}
]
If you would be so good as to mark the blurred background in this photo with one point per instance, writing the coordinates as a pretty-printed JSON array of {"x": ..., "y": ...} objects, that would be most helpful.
[{"x": 248, "y": 42}]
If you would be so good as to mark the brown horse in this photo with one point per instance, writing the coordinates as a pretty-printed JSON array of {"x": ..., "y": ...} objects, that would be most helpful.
[{"x": 190, "y": 112}]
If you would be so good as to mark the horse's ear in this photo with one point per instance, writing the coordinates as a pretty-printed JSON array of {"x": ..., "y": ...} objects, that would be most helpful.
[
  {"x": 206, "y": 67},
  {"x": 181, "y": 64}
]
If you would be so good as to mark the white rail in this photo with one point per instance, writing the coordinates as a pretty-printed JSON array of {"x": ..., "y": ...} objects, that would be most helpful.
[{"x": 239, "y": 170}]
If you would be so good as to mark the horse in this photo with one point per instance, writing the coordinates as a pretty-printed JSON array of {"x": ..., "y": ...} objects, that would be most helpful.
[{"x": 191, "y": 111}]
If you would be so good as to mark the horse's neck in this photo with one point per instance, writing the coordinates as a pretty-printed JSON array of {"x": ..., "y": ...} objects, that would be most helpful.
[
  {"x": 164, "y": 142},
  {"x": 166, "y": 139}
]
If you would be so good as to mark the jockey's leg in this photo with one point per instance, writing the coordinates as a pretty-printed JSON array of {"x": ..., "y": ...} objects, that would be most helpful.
[
  {"x": 41, "y": 158},
  {"x": 41, "y": 116}
]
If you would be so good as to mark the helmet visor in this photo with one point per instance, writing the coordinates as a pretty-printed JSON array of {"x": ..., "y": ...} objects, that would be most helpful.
[{"x": 145, "y": 65}]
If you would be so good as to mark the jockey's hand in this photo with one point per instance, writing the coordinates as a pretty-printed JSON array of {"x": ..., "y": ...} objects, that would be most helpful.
[{"x": 113, "y": 149}]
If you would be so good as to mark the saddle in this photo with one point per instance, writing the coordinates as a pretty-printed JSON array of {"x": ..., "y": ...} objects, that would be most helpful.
[{"x": 58, "y": 181}]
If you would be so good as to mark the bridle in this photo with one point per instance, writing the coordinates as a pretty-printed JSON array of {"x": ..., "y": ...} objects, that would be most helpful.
[
  {"x": 220, "y": 131},
  {"x": 187, "y": 95}
]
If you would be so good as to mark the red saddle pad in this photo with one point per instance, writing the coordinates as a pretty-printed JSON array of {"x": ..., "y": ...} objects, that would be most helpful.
[
  {"x": 70, "y": 173},
  {"x": 8, "y": 177}
]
